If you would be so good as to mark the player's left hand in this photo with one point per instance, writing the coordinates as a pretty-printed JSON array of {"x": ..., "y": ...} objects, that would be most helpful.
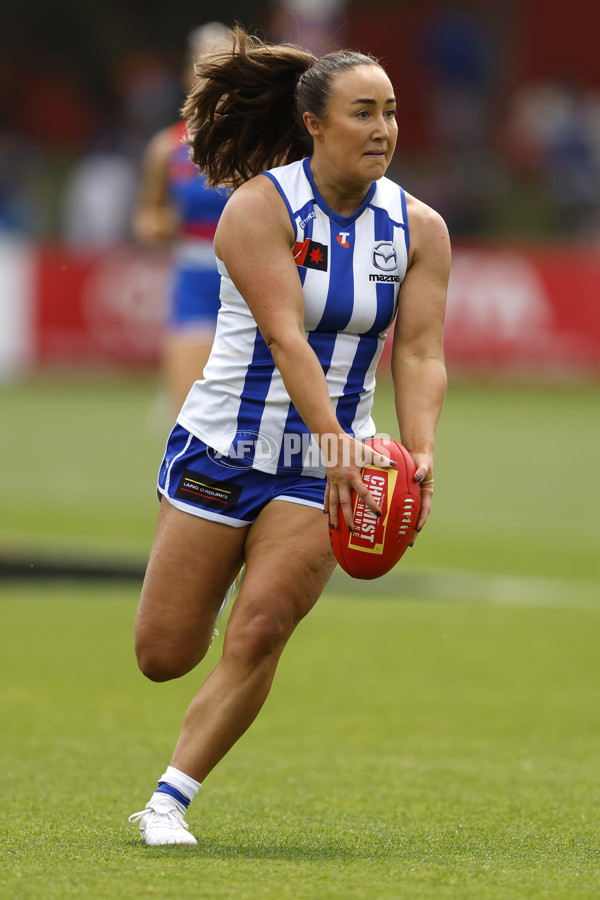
[{"x": 424, "y": 478}]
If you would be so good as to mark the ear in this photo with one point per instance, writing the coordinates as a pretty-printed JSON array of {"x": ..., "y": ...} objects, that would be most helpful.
[{"x": 313, "y": 125}]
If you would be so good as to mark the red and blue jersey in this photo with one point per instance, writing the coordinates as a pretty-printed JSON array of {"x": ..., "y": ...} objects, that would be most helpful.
[{"x": 195, "y": 279}]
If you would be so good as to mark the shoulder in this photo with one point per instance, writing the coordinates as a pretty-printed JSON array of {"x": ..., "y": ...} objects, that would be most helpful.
[
  {"x": 169, "y": 137},
  {"x": 255, "y": 209},
  {"x": 428, "y": 231},
  {"x": 162, "y": 143},
  {"x": 423, "y": 219},
  {"x": 257, "y": 196}
]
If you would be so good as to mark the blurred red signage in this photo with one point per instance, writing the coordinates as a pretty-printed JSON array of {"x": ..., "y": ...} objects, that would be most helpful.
[
  {"x": 101, "y": 308},
  {"x": 517, "y": 309},
  {"x": 510, "y": 310}
]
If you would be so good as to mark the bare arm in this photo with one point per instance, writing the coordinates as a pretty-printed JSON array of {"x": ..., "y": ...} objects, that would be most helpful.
[
  {"x": 154, "y": 218},
  {"x": 254, "y": 239},
  {"x": 418, "y": 368}
]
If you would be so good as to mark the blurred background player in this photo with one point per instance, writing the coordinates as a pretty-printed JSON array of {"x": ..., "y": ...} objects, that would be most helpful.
[{"x": 175, "y": 205}]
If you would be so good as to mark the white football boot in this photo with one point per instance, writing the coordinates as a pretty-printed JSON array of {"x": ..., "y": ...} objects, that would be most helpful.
[{"x": 162, "y": 823}]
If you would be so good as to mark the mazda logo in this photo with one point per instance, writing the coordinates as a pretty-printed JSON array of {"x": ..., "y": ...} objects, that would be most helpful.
[{"x": 384, "y": 256}]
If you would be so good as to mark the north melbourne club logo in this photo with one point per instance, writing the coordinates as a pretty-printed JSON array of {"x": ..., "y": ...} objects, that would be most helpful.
[{"x": 384, "y": 257}]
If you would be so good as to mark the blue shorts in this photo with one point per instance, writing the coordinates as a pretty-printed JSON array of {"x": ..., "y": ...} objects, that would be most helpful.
[
  {"x": 192, "y": 479},
  {"x": 194, "y": 299}
]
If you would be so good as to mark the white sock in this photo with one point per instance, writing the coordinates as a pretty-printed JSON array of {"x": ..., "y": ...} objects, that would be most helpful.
[{"x": 183, "y": 784}]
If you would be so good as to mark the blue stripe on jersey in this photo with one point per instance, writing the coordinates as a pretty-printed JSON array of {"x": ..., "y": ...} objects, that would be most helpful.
[
  {"x": 355, "y": 383},
  {"x": 256, "y": 387},
  {"x": 291, "y": 455},
  {"x": 386, "y": 293},
  {"x": 405, "y": 218},
  {"x": 306, "y": 216},
  {"x": 305, "y": 232},
  {"x": 323, "y": 344},
  {"x": 302, "y": 274},
  {"x": 279, "y": 188},
  {"x": 340, "y": 294}
]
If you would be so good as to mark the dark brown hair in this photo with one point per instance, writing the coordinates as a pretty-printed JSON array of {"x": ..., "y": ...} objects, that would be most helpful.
[{"x": 244, "y": 115}]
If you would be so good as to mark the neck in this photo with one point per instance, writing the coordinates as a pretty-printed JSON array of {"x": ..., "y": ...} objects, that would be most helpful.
[{"x": 342, "y": 197}]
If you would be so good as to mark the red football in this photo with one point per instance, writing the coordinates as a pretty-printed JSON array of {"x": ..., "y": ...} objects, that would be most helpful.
[{"x": 376, "y": 544}]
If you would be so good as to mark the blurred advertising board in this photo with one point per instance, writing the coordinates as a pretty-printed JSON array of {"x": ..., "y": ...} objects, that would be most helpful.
[
  {"x": 524, "y": 310},
  {"x": 105, "y": 308},
  {"x": 510, "y": 310}
]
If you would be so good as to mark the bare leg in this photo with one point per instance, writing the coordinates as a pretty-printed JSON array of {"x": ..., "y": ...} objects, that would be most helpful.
[
  {"x": 192, "y": 563},
  {"x": 288, "y": 563}
]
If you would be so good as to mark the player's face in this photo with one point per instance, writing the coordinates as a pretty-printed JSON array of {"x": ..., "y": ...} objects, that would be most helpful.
[{"x": 358, "y": 137}]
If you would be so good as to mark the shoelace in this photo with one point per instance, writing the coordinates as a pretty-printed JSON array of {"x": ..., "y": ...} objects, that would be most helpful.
[{"x": 174, "y": 817}]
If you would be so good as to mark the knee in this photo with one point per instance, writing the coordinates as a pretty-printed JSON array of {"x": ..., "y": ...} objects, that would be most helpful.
[
  {"x": 262, "y": 635},
  {"x": 162, "y": 663},
  {"x": 158, "y": 668}
]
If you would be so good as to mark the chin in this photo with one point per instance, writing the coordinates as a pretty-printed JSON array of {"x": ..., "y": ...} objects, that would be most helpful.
[{"x": 377, "y": 168}]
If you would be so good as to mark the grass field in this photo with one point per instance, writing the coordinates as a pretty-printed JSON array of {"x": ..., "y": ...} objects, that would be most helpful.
[{"x": 432, "y": 735}]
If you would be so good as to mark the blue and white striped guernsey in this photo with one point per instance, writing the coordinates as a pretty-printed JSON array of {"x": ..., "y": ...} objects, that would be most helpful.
[{"x": 350, "y": 269}]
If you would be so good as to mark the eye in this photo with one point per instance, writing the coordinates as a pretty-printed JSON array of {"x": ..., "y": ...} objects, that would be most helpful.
[
  {"x": 390, "y": 113},
  {"x": 363, "y": 114}
]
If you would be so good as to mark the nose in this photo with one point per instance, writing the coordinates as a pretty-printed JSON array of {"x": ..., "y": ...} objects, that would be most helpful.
[{"x": 380, "y": 128}]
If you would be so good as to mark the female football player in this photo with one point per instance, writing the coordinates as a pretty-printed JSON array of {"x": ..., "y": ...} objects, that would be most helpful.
[{"x": 318, "y": 253}]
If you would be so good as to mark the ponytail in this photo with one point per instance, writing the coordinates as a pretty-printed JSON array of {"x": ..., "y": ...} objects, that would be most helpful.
[
  {"x": 241, "y": 113},
  {"x": 245, "y": 113}
]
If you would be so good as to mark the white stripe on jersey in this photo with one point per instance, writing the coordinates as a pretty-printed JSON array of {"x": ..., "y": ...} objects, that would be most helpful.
[{"x": 350, "y": 269}]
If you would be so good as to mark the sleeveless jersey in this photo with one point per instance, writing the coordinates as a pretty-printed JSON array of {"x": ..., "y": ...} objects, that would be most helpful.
[
  {"x": 195, "y": 278},
  {"x": 350, "y": 269}
]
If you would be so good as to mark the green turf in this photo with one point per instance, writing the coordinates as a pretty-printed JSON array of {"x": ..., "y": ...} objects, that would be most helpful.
[
  {"x": 79, "y": 464},
  {"x": 435, "y": 734},
  {"x": 409, "y": 749},
  {"x": 517, "y": 482}
]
